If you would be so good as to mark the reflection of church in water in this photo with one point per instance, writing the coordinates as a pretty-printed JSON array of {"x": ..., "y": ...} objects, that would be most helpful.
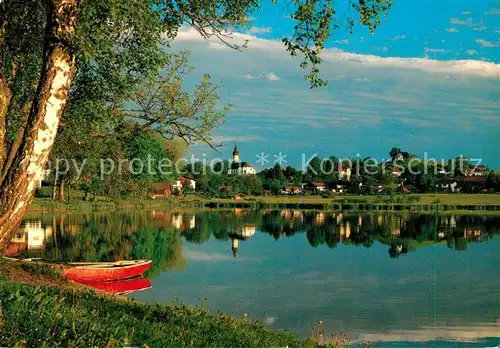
[{"x": 242, "y": 234}]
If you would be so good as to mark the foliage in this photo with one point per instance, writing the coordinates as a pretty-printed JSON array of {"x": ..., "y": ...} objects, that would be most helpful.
[
  {"x": 162, "y": 105},
  {"x": 65, "y": 318}
]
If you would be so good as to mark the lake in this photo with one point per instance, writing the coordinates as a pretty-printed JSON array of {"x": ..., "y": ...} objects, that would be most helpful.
[{"x": 398, "y": 280}]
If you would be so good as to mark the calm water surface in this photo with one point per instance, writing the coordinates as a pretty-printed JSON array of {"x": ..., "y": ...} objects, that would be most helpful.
[{"x": 398, "y": 280}]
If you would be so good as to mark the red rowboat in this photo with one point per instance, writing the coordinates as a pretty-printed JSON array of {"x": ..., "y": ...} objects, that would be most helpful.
[
  {"x": 123, "y": 287},
  {"x": 105, "y": 271}
]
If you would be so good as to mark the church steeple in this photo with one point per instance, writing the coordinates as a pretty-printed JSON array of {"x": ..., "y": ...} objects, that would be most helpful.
[
  {"x": 234, "y": 246},
  {"x": 236, "y": 154}
]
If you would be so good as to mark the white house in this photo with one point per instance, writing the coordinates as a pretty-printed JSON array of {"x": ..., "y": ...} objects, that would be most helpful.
[
  {"x": 179, "y": 184},
  {"x": 344, "y": 173}
]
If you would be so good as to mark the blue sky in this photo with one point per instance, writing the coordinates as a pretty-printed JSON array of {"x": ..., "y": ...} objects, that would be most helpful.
[{"x": 426, "y": 81}]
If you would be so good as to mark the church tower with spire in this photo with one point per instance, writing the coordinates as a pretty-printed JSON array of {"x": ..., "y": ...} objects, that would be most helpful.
[
  {"x": 236, "y": 154},
  {"x": 238, "y": 167}
]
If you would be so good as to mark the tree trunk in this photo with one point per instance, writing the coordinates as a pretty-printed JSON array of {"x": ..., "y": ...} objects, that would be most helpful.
[
  {"x": 69, "y": 191},
  {"x": 57, "y": 73},
  {"x": 14, "y": 146},
  {"x": 54, "y": 188},
  {"x": 61, "y": 189},
  {"x": 4, "y": 105}
]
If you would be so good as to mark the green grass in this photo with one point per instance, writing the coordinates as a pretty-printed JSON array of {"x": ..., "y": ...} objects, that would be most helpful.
[
  {"x": 50, "y": 317},
  {"x": 424, "y": 199},
  {"x": 422, "y": 202}
]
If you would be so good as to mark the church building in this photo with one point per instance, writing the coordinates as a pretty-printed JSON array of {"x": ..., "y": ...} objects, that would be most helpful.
[{"x": 239, "y": 168}]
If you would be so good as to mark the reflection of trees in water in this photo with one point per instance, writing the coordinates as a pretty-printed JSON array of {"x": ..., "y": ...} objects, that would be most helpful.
[
  {"x": 113, "y": 237},
  {"x": 158, "y": 236},
  {"x": 400, "y": 232}
]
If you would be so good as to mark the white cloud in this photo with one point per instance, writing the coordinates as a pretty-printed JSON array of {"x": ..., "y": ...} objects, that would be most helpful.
[
  {"x": 481, "y": 28},
  {"x": 497, "y": 31},
  {"x": 456, "y": 21},
  {"x": 385, "y": 49},
  {"x": 240, "y": 138},
  {"x": 435, "y": 50},
  {"x": 337, "y": 77},
  {"x": 249, "y": 76},
  {"x": 465, "y": 13},
  {"x": 493, "y": 11},
  {"x": 342, "y": 42},
  {"x": 452, "y": 30},
  {"x": 418, "y": 122},
  {"x": 260, "y": 30},
  {"x": 471, "y": 52},
  {"x": 398, "y": 37},
  {"x": 485, "y": 43},
  {"x": 270, "y": 76},
  {"x": 270, "y": 320},
  {"x": 364, "y": 79},
  {"x": 275, "y": 50}
]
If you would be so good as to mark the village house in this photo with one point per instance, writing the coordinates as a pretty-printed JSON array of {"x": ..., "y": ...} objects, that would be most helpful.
[
  {"x": 396, "y": 172},
  {"x": 471, "y": 184},
  {"x": 184, "y": 182},
  {"x": 163, "y": 189},
  {"x": 344, "y": 173},
  {"x": 443, "y": 171},
  {"x": 292, "y": 190},
  {"x": 447, "y": 185},
  {"x": 240, "y": 168},
  {"x": 339, "y": 186},
  {"x": 477, "y": 171},
  {"x": 315, "y": 187}
]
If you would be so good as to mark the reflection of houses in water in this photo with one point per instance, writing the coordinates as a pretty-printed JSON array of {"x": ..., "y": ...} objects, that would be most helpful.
[
  {"x": 240, "y": 212},
  {"x": 289, "y": 215},
  {"x": 453, "y": 221},
  {"x": 30, "y": 236},
  {"x": 191, "y": 222},
  {"x": 17, "y": 245},
  {"x": 449, "y": 221},
  {"x": 247, "y": 231},
  {"x": 380, "y": 220},
  {"x": 473, "y": 232},
  {"x": 319, "y": 219},
  {"x": 395, "y": 226},
  {"x": 177, "y": 220},
  {"x": 339, "y": 218},
  {"x": 345, "y": 231},
  {"x": 37, "y": 235},
  {"x": 160, "y": 218}
]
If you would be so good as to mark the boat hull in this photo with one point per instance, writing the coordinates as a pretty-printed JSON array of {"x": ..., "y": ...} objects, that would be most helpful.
[
  {"x": 98, "y": 273},
  {"x": 125, "y": 286}
]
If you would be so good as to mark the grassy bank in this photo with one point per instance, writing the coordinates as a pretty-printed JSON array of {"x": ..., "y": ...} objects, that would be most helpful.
[
  {"x": 420, "y": 203},
  {"x": 60, "y": 314}
]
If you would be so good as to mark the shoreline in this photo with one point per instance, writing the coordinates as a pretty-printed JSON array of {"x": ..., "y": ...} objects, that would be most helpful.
[{"x": 442, "y": 203}]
